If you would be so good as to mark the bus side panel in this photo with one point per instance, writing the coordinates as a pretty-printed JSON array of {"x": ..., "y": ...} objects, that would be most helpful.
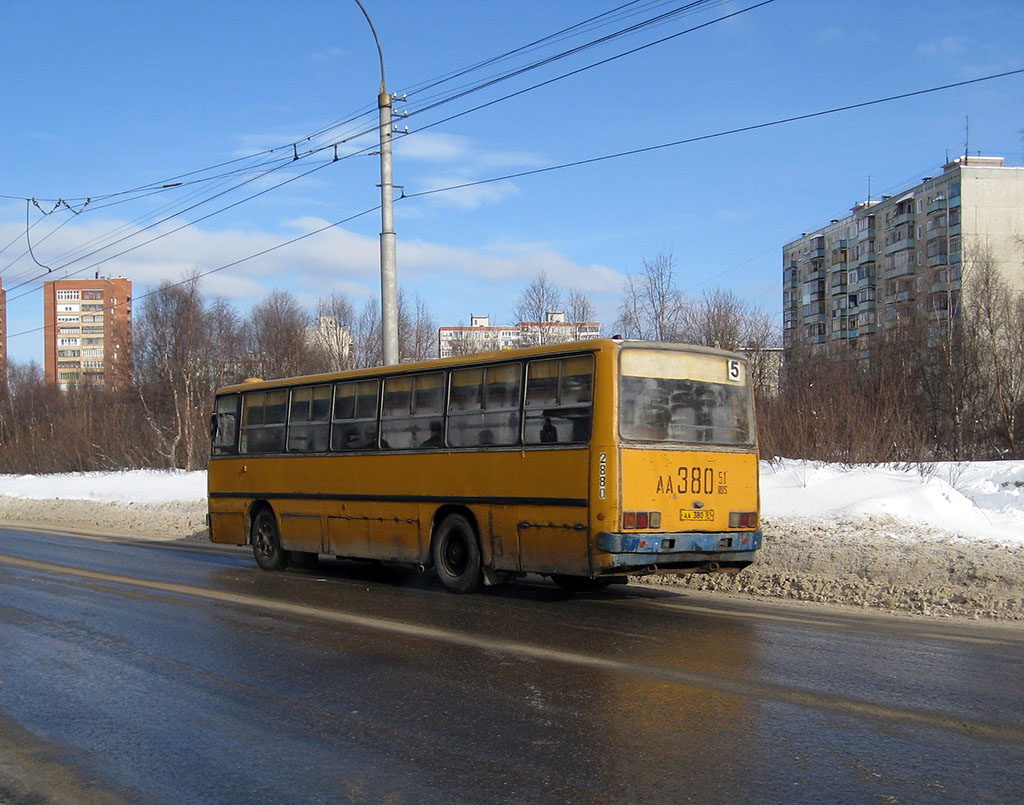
[
  {"x": 227, "y": 515},
  {"x": 395, "y": 532},
  {"x": 301, "y": 526},
  {"x": 555, "y": 542},
  {"x": 501, "y": 537},
  {"x": 227, "y": 528},
  {"x": 348, "y": 532}
]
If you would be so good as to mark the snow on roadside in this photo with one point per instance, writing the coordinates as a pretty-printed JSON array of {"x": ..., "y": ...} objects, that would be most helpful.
[
  {"x": 146, "y": 487},
  {"x": 978, "y": 500}
]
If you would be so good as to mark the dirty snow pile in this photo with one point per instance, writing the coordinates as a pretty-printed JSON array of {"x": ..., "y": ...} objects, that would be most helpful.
[
  {"x": 939, "y": 539},
  {"x": 942, "y": 538}
]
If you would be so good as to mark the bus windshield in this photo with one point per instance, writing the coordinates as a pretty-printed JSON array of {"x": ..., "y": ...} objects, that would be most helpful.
[{"x": 684, "y": 397}]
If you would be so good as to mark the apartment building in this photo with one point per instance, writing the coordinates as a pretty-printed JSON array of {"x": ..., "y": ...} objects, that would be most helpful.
[
  {"x": 87, "y": 332},
  {"x": 482, "y": 336},
  {"x": 903, "y": 256}
]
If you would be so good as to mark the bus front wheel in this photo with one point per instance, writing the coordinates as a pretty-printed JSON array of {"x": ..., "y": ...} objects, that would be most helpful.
[
  {"x": 266, "y": 542},
  {"x": 456, "y": 554}
]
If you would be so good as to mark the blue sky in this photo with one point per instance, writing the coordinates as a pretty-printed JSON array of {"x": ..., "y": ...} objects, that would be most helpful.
[{"x": 105, "y": 97}]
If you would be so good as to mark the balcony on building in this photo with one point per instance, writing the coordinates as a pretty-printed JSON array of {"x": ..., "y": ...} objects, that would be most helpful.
[
  {"x": 902, "y": 218},
  {"x": 899, "y": 245}
]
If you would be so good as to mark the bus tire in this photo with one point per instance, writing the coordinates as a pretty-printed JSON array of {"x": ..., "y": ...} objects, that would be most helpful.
[
  {"x": 266, "y": 542},
  {"x": 456, "y": 554}
]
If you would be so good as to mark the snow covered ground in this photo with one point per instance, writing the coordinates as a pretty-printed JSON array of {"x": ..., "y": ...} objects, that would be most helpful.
[
  {"x": 978, "y": 500},
  {"x": 941, "y": 539}
]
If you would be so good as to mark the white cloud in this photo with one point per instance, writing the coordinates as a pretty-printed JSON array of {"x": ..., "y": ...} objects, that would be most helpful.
[
  {"x": 333, "y": 260},
  {"x": 951, "y": 45}
]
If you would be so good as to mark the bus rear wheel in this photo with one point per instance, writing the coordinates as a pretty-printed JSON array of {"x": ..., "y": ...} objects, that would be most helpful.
[
  {"x": 456, "y": 554},
  {"x": 266, "y": 542}
]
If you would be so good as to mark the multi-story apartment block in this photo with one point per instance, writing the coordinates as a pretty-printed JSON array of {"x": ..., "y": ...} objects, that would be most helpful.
[
  {"x": 87, "y": 332},
  {"x": 481, "y": 336},
  {"x": 903, "y": 256}
]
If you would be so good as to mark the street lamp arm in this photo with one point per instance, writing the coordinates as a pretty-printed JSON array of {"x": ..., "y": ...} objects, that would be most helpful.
[{"x": 376, "y": 39}]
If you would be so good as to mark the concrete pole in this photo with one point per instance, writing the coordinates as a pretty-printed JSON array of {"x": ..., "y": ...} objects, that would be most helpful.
[{"x": 388, "y": 261}]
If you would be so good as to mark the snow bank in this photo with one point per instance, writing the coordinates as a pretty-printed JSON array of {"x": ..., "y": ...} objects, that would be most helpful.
[
  {"x": 978, "y": 500},
  {"x": 146, "y": 487}
]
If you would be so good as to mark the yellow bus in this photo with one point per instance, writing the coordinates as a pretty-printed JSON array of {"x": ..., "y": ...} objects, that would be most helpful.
[{"x": 585, "y": 462}]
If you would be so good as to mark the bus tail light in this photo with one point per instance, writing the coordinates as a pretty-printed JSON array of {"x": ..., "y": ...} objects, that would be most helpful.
[
  {"x": 742, "y": 519},
  {"x": 634, "y": 520}
]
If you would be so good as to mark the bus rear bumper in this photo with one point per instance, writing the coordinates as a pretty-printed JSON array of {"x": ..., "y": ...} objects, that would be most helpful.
[{"x": 681, "y": 550}]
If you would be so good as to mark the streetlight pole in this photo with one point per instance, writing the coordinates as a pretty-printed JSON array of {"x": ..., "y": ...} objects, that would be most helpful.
[{"x": 388, "y": 262}]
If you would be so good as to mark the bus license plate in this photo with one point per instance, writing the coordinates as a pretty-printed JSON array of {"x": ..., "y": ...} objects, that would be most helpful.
[{"x": 696, "y": 514}]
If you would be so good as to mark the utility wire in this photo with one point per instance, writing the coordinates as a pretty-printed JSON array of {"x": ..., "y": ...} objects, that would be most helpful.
[
  {"x": 163, "y": 234},
  {"x": 638, "y": 26},
  {"x": 727, "y": 132},
  {"x": 184, "y": 178},
  {"x": 232, "y": 264}
]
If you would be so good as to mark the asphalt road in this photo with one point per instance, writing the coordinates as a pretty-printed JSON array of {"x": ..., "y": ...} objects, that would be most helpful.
[{"x": 177, "y": 672}]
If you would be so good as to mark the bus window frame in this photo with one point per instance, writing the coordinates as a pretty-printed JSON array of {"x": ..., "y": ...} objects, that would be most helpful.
[
  {"x": 355, "y": 422},
  {"x": 559, "y": 410},
  {"x": 218, "y": 417},
  {"x": 309, "y": 423}
]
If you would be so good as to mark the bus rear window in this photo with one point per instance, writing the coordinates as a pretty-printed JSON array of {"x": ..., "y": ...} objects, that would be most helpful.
[{"x": 684, "y": 397}]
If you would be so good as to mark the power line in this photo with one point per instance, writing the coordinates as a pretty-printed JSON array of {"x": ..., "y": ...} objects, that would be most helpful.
[
  {"x": 687, "y": 8},
  {"x": 232, "y": 264},
  {"x": 163, "y": 234},
  {"x": 702, "y": 137}
]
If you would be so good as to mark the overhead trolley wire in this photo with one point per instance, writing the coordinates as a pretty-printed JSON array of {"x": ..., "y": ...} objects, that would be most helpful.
[
  {"x": 152, "y": 188},
  {"x": 725, "y": 133},
  {"x": 281, "y": 161}
]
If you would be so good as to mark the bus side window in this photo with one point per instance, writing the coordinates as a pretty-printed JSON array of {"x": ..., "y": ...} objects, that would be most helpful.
[
  {"x": 308, "y": 419},
  {"x": 354, "y": 422},
  {"x": 483, "y": 406},
  {"x": 559, "y": 400},
  {"x": 224, "y": 425},
  {"x": 263, "y": 419},
  {"x": 412, "y": 411}
]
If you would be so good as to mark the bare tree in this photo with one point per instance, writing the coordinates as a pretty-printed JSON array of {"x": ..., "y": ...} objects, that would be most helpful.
[
  {"x": 538, "y": 299},
  {"x": 279, "y": 341},
  {"x": 652, "y": 305},
  {"x": 580, "y": 311},
  {"x": 182, "y": 353},
  {"x": 417, "y": 332},
  {"x": 366, "y": 336},
  {"x": 995, "y": 315}
]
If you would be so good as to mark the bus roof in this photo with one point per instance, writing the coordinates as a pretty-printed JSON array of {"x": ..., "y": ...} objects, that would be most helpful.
[{"x": 474, "y": 358}]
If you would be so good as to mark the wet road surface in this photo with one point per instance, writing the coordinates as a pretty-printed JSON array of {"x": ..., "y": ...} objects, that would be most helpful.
[{"x": 182, "y": 673}]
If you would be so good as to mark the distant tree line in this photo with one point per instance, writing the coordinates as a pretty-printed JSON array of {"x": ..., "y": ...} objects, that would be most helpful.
[{"x": 184, "y": 348}]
